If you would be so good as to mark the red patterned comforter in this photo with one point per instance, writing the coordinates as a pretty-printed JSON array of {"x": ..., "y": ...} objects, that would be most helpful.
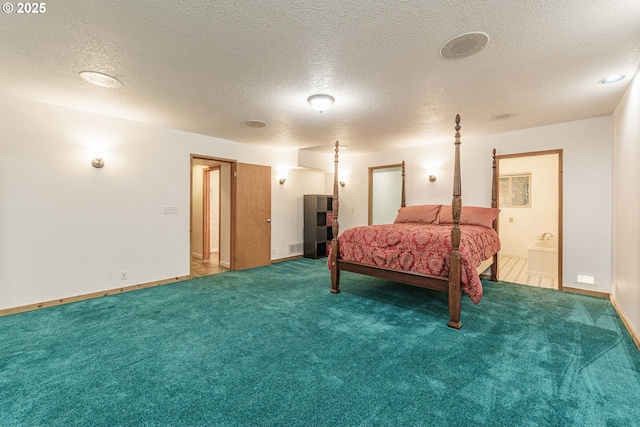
[{"x": 421, "y": 248}]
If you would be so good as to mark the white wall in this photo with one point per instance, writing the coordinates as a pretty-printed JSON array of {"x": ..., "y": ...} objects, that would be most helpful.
[
  {"x": 626, "y": 205},
  {"x": 287, "y": 202},
  {"x": 587, "y": 159},
  {"x": 68, "y": 229}
]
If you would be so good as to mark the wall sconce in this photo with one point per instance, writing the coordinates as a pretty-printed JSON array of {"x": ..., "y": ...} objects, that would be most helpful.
[
  {"x": 342, "y": 183},
  {"x": 282, "y": 174},
  {"x": 97, "y": 162},
  {"x": 432, "y": 178}
]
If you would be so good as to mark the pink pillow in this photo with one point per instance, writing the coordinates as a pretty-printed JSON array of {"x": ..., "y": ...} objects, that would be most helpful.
[
  {"x": 470, "y": 215},
  {"x": 421, "y": 214}
]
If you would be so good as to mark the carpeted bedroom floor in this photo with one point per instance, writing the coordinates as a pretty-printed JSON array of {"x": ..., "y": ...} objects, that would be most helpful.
[{"x": 272, "y": 347}]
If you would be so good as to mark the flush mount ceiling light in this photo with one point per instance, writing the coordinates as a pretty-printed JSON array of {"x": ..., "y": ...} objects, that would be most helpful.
[
  {"x": 100, "y": 79},
  {"x": 255, "y": 123},
  {"x": 612, "y": 79},
  {"x": 321, "y": 102},
  {"x": 464, "y": 45}
]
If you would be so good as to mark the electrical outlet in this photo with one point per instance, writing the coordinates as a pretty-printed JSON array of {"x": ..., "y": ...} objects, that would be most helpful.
[
  {"x": 124, "y": 275},
  {"x": 170, "y": 210}
]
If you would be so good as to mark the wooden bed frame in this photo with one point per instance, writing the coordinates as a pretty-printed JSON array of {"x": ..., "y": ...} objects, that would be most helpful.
[{"x": 449, "y": 284}]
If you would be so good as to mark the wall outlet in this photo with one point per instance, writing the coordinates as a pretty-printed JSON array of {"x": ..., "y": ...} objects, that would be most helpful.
[
  {"x": 170, "y": 210},
  {"x": 124, "y": 275}
]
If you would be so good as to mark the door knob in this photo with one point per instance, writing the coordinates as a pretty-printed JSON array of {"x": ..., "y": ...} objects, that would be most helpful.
[{"x": 269, "y": 220}]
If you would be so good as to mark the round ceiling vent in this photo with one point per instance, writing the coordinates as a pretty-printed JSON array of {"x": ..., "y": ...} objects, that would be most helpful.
[
  {"x": 464, "y": 45},
  {"x": 255, "y": 123},
  {"x": 502, "y": 116},
  {"x": 100, "y": 79}
]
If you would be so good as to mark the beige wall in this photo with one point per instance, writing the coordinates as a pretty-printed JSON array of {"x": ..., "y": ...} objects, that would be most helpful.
[{"x": 626, "y": 205}]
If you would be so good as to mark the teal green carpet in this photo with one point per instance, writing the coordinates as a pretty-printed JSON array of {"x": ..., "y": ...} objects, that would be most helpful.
[{"x": 272, "y": 347}]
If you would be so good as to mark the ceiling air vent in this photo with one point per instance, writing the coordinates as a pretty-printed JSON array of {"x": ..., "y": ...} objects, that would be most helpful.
[{"x": 464, "y": 45}]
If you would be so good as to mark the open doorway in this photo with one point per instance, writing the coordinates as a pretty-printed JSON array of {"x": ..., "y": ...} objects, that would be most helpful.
[
  {"x": 245, "y": 214},
  {"x": 530, "y": 200},
  {"x": 211, "y": 209}
]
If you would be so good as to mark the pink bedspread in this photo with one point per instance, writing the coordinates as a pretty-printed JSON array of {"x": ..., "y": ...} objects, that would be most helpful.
[{"x": 421, "y": 248}]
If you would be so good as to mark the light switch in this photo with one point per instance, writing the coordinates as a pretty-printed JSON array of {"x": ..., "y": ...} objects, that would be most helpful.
[{"x": 169, "y": 210}]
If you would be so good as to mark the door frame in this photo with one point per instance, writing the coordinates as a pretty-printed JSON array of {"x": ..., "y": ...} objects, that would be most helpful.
[
  {"x": 206, "y": 208},
  {"x": 198, "y": 159},
  {"x": 560, "y": 196}
]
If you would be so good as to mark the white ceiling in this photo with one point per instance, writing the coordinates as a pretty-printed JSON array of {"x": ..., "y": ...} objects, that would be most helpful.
[{"x": 206, "y": 67}]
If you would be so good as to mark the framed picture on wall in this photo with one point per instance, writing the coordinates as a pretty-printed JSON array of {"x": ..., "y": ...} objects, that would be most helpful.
[{"x": 515, "y": 191}]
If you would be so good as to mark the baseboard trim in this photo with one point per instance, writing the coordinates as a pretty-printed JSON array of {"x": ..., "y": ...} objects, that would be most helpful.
[
  {"x": 53, "y": 303},
  {"x": 586, "y": 292},
  {"x": 289, "y": 258},
  {"x": 634, "y": 334}
]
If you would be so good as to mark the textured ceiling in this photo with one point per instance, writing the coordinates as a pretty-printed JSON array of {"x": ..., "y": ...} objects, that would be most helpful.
[{"x": 206, "y": 67}]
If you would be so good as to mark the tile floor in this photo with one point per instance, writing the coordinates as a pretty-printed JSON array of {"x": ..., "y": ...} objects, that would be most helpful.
[{"x": 514, "y": 270}]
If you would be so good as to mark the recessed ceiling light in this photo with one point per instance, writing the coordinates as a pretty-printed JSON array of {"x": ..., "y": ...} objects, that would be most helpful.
[
  {"x": 502, "y": 116},
  {"x": 464, "y": 45},
  {"x": 612, "y": 79},
  {"x": 100, "y": 79},
  {"x": 255, "y": 123}
]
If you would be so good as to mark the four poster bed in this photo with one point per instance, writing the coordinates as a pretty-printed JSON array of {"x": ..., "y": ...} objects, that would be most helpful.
[{"x": 436, "y": 247}]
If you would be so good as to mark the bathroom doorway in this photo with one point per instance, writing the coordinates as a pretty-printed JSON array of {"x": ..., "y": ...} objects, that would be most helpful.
[{"x": 530, "y": 202}]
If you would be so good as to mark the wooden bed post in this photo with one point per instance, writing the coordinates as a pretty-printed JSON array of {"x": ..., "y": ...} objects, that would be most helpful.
[
  {"x": 403, "y": 201},
  {"x": 455, "y": 292},
  {"x": 335, "y": 244},
  {"x": 495, "y": 180}
]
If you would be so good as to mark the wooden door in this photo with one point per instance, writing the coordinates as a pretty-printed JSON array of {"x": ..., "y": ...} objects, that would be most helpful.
[{"x": 252, "y": 216}]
